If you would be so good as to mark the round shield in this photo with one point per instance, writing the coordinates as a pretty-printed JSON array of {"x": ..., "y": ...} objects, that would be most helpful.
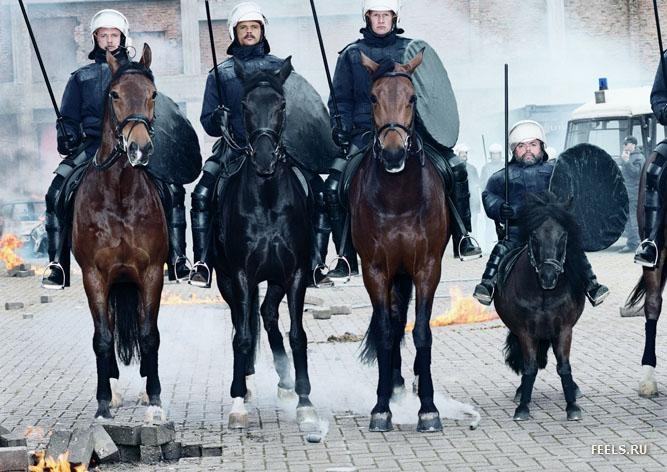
[
  {"x": 307, "y": 135},
  {"x": 590, "y": 176},
  {"x": 437, "y": 112},
  {"x": 176, "y": 157}
]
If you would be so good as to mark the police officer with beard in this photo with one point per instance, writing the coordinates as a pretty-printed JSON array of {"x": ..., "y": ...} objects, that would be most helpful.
[
  {"x": 250, "y": 46},
  {"x": 381, "y": 42},
  {"x": 529, "y": 172},
  {"x": 79, "y": 138}
]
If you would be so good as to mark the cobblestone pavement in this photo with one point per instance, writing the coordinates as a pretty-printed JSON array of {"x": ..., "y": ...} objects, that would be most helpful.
[{"x": 47, "y": 380}]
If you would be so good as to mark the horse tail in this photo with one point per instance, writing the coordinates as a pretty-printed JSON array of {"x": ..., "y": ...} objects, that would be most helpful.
[
  {"x": 514, "y": 355},
  {"x": 369, "y": 351},
  {"x": 637, "y": 294},
  {"x": 125, "y": 308}
]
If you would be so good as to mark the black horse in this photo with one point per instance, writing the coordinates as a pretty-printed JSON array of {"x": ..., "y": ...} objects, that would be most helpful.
[
  {"x": 264, "y": 234},
  {"x": 542, "y": 297}
]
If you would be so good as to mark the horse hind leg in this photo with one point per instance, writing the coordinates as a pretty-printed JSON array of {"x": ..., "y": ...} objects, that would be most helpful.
[
  {"x": 274, "y": 295},
  {"x": 400, "y": 299}
]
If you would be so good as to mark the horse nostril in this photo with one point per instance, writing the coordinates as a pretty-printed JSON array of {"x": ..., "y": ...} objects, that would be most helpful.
[
  {"x": 148, "y": 150},
  {"x": 133, "y": 147}
]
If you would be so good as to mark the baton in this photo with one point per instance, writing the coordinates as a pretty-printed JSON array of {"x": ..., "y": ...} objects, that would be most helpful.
[
  {"x": 507, "y": 146},
  {"x": 215, "y": 59}
]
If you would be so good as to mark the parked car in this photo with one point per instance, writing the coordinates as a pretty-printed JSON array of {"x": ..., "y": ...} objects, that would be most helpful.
[{"x": 20, "y": 217}]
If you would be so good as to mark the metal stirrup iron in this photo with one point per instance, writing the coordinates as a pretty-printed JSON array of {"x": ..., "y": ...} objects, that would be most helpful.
[
  {"x": 54, "y": 266},
  {"x": 642, "y": 245},
  {"x": 194, "y": 270}
]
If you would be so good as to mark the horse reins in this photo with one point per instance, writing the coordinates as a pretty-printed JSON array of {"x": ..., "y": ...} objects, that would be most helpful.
[{"x": 120, "y": 147}]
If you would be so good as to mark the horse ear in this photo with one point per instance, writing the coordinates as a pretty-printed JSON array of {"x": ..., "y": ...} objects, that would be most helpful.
[
  {"x": 146, "y": 56},
  {"x": 285, "y": 70},
  {"x": 370, "y": 65},
  {"x": 112, "y": 62},
  {"x": 414, "y": 63},
  {"x": 239, "y": 70}
]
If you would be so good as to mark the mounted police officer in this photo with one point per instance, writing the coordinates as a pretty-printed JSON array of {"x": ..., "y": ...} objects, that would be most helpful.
[
  {"x": 250, "y": 46},
  {"x": 79, "y": 138},
  {"x": 352, "y": 84},
  {"x": 647, "y": 253},
  {"x": 529, "y": 172}
]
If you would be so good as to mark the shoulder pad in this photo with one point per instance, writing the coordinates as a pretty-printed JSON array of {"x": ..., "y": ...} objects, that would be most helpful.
[
  {"x": 229, "y": 62},
  {"x": 353, "y": 43}
]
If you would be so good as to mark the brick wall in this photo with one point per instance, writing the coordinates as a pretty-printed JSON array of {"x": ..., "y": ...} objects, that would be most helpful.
[{"x": 222, "y": 42}]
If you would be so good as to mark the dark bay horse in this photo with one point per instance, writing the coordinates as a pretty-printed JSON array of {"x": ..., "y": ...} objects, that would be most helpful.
[
  {"x": 400, "y": 228},
  {"x": 649, "y": 289},
  {"x": 120, "y": 235},
  {"x": 542, "y": 298},
  {"x": 264, "y": 234}
]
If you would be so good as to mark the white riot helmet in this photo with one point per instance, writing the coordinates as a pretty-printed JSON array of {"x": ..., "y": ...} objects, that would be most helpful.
[
  {"x": 381, "y": 5},
  {"x": 110, "y": 19},
  {"x": 524, "y": 131},
  {"x": 459, "y": 148},
  {"x": 246, "y": 11},
  {"x": 495, "y": 148}
]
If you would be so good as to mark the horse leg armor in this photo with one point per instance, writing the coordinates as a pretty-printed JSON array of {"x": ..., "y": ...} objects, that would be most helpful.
[
  {"x": 485, "y": 290},
  {"x": 465, "y": 246},
  {"x": 647, "y": 253},
  {"x": 173, "y": 202},
  {"x": 595, "y": 291}
]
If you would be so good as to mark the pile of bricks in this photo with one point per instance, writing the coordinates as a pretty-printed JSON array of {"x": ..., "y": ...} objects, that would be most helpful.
[
  {"x": 21, "y": 270},
  {"x": 14, "y": 455}
]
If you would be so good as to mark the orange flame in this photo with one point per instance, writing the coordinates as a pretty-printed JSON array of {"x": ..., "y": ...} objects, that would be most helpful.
[
  {"x": 193, "y": 299},
  {"x": 49, "y": 464},
  {"x": 463, "y": 310},
  {"x": 8, "y": 244}
]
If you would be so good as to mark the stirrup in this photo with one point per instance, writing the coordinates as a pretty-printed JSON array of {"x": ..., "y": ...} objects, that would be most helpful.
[
  {"x": 188, "y": 266},
  {"x": 347, "y": 263},
  {"x": 196, "y": 283},
  {"x": 325, "y": 270},
  {"x": 642, "y": 263},
  {"x": 53, "y": 266},
  {"x": 476, "y": 244}
]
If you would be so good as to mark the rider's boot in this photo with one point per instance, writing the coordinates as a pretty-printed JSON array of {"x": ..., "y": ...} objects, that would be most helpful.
[
  {"x": 647, "y": 253},
  {"x": 54, "y": 277},
  {"x": 485, "y": 290},
  {"x": 321, "y": 233},
  {"x": 177, "y": 265},
  {"x": 337, "y": 216},
  {"x": 465, "y": 246},
  {"x": 595, "y": 291}
]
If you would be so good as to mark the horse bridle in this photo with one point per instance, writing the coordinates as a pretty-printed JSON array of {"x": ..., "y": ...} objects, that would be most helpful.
[
  {"x": 558, "y": 264},
  {"x": 412, "y": 144},
  {"x": 120, "y": 146}
]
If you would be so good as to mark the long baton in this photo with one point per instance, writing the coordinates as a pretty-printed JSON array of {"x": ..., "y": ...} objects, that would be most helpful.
[
  {"x": 662, "y": 53},
  {"x": 41, "y": 66},
  {"x": 215, "y": 59},
  {"x": 326, "y": 66},
  {"x": 507, "y": 147}
]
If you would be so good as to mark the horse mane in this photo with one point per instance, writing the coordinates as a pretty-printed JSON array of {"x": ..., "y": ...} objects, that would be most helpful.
[
  {"x": 132, "y": 67},
  {"x": 540, "y": 206},
  {"x": 263, "y": 77}
]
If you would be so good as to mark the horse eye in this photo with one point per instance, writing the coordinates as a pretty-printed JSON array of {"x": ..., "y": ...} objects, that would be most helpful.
[
  {"x": 114, "y": 95},
  {"x": 374, "y": 99},
  {"x": 413, "y": 99},
  {"x": 154, "y": 95}
]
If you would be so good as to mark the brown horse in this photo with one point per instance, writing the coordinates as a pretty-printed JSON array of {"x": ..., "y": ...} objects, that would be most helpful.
[
  {"x": 649, "y": 289},
  {"x": 120, "y": 235},
  {"x": 400, "y": 228}
]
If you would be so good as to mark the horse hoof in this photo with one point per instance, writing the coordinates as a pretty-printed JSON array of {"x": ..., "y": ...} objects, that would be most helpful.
[
  {"x": 238, "y": 420},
  {"x": 306, "y": 414},
  {"x": 154, "y": 415},
  {"x": 398, "y": 393},
  {"x": 429, "y": 423},
  {"x": 380, "y": 422},
  {"x": 574, "y": 413},
  {"x": 103, "y": 411},
  {"x": 522, "y": 414},
  {"x": 286, "y": 394},
  {"x": 648, "y": 386},
  {"x": 415, "y": 385}
]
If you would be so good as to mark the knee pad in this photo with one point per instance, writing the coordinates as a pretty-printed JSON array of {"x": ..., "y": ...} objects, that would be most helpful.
[
  {"x": 53, "y": 193},
  {"x": 459, "y": 171},
  {"x": 176, "y": 195},
  {"x": 201, "y": 195}
]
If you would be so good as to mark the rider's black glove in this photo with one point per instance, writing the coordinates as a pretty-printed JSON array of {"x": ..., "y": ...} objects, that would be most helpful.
[
  {"x": 67, "y": 144},
  {"x": 506, "y": 211},
  {"x": 341, "y": 137}
]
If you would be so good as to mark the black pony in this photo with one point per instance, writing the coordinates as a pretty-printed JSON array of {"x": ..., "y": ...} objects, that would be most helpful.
[
  {"x": 542, "y": 297},
  {"x": 264, "y": 234}
]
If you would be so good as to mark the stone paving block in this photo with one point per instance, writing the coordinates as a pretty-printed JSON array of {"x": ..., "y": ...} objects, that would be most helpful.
[
  {"x": 104, "y": 447},
  {"x": 156, "y": 435},
  {"x": 129, "y": 453},
  {"x": 341, "y": 309},
  {"x": 12, "y": 440},
  {"x": 123, "y": 434},
  {"x": 321, "y": 313},
  {"x": 14, "y": 459},
  {"x": 45, "y": 299},
  {"x": 190, "y": 450},
  {"x": 14, "y": 305},
  {"x": 81, "y": 446},
  {"x": 211, "y": 450},
  {"x": 171, "y": 451},
  {"x": 150, "y": 454},
  {"x": 58, "y": 443}
]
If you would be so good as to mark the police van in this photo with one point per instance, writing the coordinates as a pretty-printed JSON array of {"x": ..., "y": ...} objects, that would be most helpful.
[{"x": 611, "y": 117}]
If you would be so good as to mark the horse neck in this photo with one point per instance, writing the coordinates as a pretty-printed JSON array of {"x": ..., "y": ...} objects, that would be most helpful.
[
  {"x": 404, "y": 190},
  {"x": 264, "y": 190}
]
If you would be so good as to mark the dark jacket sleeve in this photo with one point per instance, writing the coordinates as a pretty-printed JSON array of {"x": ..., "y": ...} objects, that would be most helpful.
[
  {"x": 211, "y": 102},
  {"x": 493, "y": 196},
  {"x": 343, "y": 84},
  {"x": 659, "y": 96},
  {"x": 70, "y": 108}
]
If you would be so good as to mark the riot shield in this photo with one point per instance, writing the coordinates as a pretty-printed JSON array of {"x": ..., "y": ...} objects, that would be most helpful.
[
  {"x": 600, "y": 199},
  {"x": 437, "y": 112}
]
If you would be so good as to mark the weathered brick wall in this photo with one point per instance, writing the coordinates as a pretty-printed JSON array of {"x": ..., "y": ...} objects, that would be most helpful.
[{"x": 222, "y": 41}]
